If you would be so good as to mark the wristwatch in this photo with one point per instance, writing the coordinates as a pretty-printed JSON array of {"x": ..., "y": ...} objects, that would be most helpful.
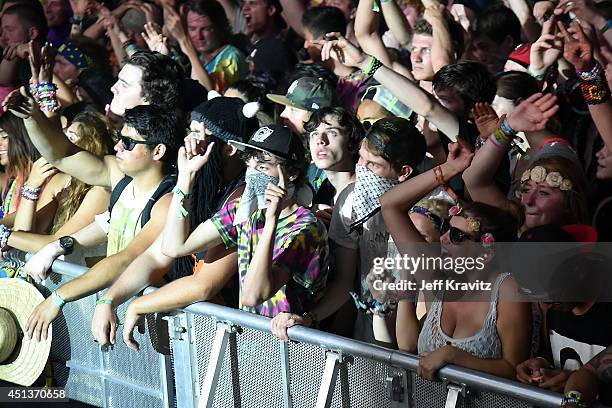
[{"x": 67, "y": 244}]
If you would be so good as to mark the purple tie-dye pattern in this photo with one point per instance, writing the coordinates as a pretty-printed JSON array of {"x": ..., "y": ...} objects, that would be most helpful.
[{"x": 300, "y": 248}]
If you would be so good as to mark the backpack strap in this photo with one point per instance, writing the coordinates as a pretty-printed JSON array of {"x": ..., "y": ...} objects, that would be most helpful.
[
  {"x": 116, "y": 193},
  {"x": 166, "y": 185}
]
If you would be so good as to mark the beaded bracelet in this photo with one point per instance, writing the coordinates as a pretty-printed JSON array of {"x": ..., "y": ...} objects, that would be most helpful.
[
  {"x": 46, "y": 96},
  {"x": 5, "y": 233},
  {"x": 29, "y": 193},
  {"x": 593, "y": 85}
]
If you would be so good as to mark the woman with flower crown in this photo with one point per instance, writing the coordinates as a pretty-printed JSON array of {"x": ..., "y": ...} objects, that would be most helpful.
[
  {"x": 471, "y": 329},
  {"x": 553, "y": 188}
]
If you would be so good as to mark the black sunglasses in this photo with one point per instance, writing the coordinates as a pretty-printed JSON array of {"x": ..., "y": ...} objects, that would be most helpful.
[
  {"x": 457, "y": 236},
  {"x": 129, "y": 143}
]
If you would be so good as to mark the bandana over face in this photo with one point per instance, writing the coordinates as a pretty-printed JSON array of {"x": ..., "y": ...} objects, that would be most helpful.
[
  {"x": 253, "y": 197},
  {"x": 368, "y": 189}
]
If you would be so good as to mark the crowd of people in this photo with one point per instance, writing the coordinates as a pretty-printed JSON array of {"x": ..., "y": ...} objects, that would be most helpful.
[{"x": 266, "y": 154}]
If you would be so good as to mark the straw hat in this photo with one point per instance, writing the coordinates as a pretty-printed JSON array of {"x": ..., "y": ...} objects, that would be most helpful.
[{"x": 21, "y": 360}]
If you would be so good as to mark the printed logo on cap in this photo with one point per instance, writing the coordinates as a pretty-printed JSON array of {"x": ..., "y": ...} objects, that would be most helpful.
[
  {"x": 315, "y": 105},
  {"x": 292, "y": 87},
  {"x": 262, "y": 134}
]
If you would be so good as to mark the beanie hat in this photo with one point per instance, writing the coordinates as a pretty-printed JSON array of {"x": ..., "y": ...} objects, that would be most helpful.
[{"x": 227, "y": 118}]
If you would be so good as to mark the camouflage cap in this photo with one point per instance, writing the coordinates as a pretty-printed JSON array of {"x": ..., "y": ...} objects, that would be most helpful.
[{"x": 306, "y": 93}]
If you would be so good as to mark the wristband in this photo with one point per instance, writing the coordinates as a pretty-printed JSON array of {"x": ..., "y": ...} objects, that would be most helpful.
[
  {"x": 372, "y": 67},
  {"x": 507, "y": 129},
  {"x": 104, "y": 302},
  {"x": 57, "y": 299},
  {"x": 539, "y": 75},
  {"x": 606, "y": 27},
  {"x": 78, "y": 20},
  {"x": 182, "y": 196}
]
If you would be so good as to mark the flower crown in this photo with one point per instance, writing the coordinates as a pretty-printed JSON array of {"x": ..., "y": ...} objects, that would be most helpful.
[
  {"x": 487, "y": 239},
  {"x": 553, "y": 179}
]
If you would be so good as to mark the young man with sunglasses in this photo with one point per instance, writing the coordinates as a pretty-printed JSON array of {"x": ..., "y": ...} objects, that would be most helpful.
[{"x": 145, "y": 153}]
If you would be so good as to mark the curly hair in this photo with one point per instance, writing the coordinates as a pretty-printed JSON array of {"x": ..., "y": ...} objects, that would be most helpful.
[
  {"x": 94, "y": 132},
  {"x": 156, "y": 125},
  {"x": 161, "y": 77}
]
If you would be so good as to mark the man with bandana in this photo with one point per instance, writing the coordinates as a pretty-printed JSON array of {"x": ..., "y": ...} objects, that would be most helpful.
[
  {"x": 389, "y": 155},
  {"x": 282, "y": 247}
]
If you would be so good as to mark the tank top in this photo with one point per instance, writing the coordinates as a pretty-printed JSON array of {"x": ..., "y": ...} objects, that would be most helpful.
[
  {"x": 125, "y": 219},
  {"x": 484, "y": 344}
]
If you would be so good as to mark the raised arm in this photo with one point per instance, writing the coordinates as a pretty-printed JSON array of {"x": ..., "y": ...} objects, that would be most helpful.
[
  {"x": 292, "y": 14},
  {"x": 57, "y": 149},
  {"x": 530, "y": 27},
  {"x": 397, "y": 22},
  {"x": 442, "y": 52},
  {"x": 366, "y": 32},
  {"x": 177, "y": 241},
  {"x": 530, "y": 116},
  {"x": 421, "y": 102},
  {"x": 175, "y": 27}
]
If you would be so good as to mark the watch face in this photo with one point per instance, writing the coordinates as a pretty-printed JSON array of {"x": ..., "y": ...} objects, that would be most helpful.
[{"x": 67, "y": 243}]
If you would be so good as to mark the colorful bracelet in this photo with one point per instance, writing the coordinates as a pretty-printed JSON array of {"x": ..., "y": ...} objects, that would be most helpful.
[
  {"x": 29, "y": 193},
  {"x": 507, "y": 129},
  {"x": 593, "y": 75},
  {"x": 5, "y": 233},
  {"x": 104, "y": 302},
  {"x": 500, "y": 139},
  {"x": 372, "y": 67},
  {"x": 593, "y": 85},
  {"x": 130, "y": 49}
]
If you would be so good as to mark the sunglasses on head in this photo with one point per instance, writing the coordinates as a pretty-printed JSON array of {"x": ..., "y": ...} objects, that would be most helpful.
[
  {"x": 129, "y": 143},
  {"x": 457, "y": 236}
]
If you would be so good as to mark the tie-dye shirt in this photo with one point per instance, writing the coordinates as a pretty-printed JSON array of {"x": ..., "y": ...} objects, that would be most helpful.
[
  {"x": 228, "y": 66},
  {"x": 300, "y": 248}
]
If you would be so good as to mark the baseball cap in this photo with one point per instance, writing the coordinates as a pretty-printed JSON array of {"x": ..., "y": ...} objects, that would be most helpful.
[
  {"x": 307, "y": 93},
  {"x": 278, "y": 140}
]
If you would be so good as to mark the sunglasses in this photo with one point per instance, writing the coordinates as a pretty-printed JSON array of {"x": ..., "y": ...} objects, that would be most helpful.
[
  {"x": 129, "y": 143},
  {"x": 457, "y": 236}
]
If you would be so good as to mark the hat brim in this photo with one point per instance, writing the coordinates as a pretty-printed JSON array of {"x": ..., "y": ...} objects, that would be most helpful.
[
  {"x": 20, "y": 298},
  {"x": 243, "y": 146},
  {"x": 283, "y": 100}
]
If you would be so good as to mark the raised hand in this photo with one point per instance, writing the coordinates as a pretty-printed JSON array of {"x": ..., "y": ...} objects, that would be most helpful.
[
  {"x": 16, "y": 51},
  {"x": 342, "y": 50},
  {"x": 533, "y": 113},
  {"x": 192, "y": 156},
  {"x": 582, "y": 8},
  {"x": 173, "y": 25},
  {"x": 154, "y": 39},
  {"x": 275, "y": 195},
  {"x": 459, "y": 157},
  {"x": 41, "y": 64},
  {"x": 486, "y": 119},
  {"x": 20, "y": 104},
  {"x": 547, "y": 49},
  {"x": 577, "y": 49}
]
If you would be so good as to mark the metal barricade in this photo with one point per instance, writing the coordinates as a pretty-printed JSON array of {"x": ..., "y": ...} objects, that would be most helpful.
[
  {"x": 113, "y": 377},
  {"x": 224, "y": 357},
  {"x": 228, "y": 358}
]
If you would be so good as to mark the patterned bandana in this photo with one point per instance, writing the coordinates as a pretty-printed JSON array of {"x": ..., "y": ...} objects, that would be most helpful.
[
  {"x": 369, "y": 187},
  {"x": 253, "y": 197},
  {"x": 74, "y": 55}
]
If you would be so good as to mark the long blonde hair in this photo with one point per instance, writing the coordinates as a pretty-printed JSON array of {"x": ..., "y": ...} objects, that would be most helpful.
[{"x": 95, "y": 136}]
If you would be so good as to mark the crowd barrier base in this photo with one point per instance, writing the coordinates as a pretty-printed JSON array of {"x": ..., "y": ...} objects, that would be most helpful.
[{"x": 212, "y": 356}]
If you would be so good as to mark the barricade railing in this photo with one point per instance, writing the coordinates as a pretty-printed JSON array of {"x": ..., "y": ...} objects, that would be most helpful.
[
  {"x": 223, "y": 357},
  {"x": 113, "y": 376}
]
